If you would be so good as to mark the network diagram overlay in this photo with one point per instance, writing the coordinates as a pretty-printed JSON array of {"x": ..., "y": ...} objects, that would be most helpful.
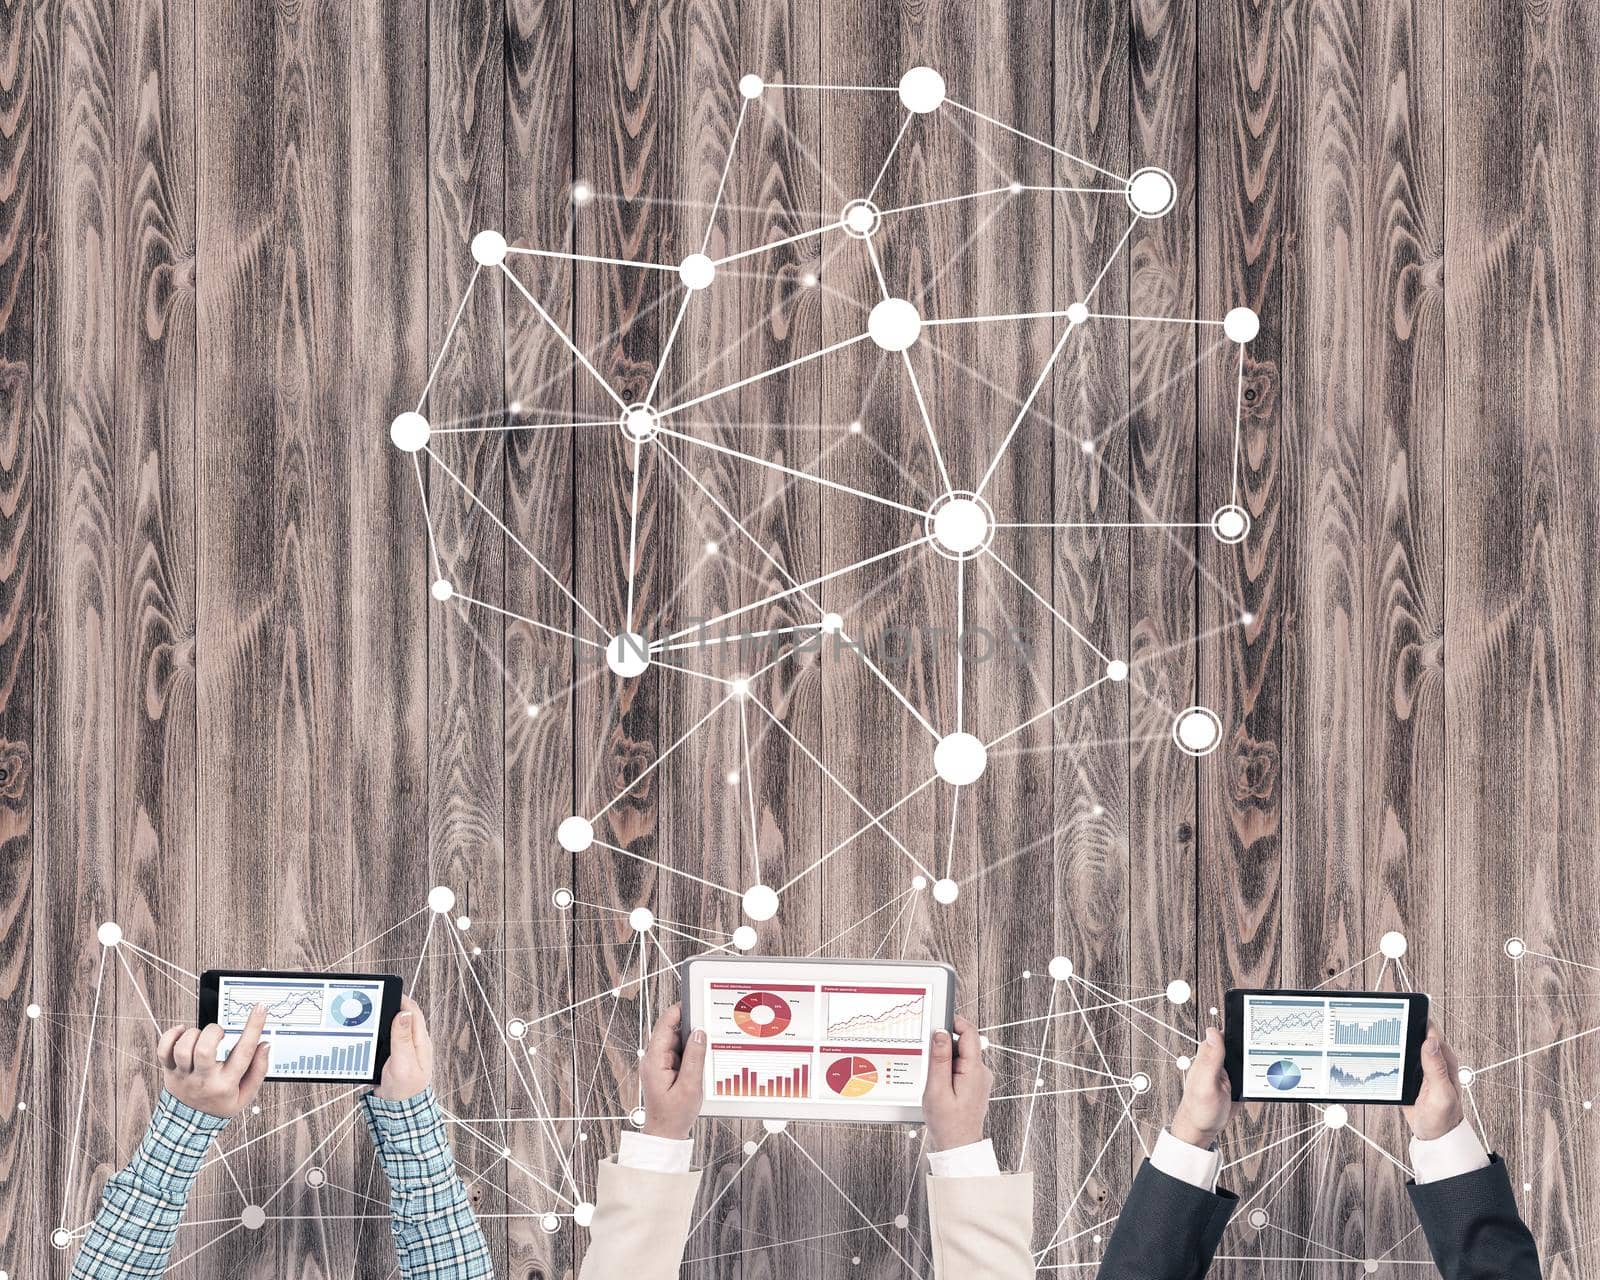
[{"x": 1046, "y": 1062}]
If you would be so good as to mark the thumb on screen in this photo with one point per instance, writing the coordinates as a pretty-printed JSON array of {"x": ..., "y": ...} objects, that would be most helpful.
[
  {"x": 692, "y": 1066},
  {"x": 943, "y": 1049},
  {"x": 1434, "y": 1066}
]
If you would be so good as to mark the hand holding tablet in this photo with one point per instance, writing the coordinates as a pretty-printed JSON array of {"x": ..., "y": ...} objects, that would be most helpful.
[{"x": 326, "y": 1027}]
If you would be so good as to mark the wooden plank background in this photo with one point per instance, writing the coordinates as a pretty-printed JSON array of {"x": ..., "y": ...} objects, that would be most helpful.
[{"x": 232, "y": 239}]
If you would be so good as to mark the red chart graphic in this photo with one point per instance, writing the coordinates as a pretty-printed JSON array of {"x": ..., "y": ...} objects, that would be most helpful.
[
  {"x": 852, "y": 1077},
  {"x": 761, "y": 1014}
]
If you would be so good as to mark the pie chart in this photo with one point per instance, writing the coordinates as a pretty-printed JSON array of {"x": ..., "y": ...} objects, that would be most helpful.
[
  {"x": 761, "y": 1014},
  {"x": 351, "y": 1008},
  {"x": 852, "y": 1077},
  {"x": 1284, "y": 1074}
]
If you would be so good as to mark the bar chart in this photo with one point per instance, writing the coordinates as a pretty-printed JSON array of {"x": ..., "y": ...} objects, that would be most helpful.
[
  {"x": 738, "y": 1074},
  {"x": 326, "y": 1059}
]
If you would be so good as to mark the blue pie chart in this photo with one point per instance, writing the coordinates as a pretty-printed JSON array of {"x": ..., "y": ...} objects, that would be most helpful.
[
  {"x": 351, "y": 1008},
  {"x": 1284, "y": 1074}
]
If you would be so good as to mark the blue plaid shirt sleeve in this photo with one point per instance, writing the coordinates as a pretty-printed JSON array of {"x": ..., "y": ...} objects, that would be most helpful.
[
  {"x": 132, "y": 1234},
  {"x": 430, "y": 1216}
]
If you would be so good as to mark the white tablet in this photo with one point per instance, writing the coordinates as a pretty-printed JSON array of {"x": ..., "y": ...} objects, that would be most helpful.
[{"x": 817, "y": 1039}]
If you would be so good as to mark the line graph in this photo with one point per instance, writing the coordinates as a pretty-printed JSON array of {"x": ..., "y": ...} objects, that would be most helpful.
[
  {"x": 871, "y": 1020},
  {"x": 286, "y": 1005}
]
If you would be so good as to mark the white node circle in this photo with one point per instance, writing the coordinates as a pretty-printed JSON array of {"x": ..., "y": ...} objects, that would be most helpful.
[
  {"x": 697, "y": 271},
  {"x": 894, "y": 324},
  {"x": 575, "y": 834},
  {"x": 921, "y": 90},
  {"x": 1077, "y": 312},
  {"x": 832, "y": 624},
  {"x": 1151, "y": 192},
  {"x": 919, "y": 882},
  {"x": 488, "y": 248},
  {"x": 582, "y": 193},
  {"x": 1465, "y": 1076},
  {"x": 1392, "y": 944},
  {"x": 901, "y": 1222},
  {"x": 744, "y": 937},
  {"x": 1060, "y": 968},
  {"x": 1140, "y": 1082},
  {"x": 34, "y": 1011},
  {"x": 550, "y": 1224},
  {"x": 774, "y": 1126},
  {"x": 860, "y": 219},
  {"x": 315, "y": 1177},
  {"x": 516, "y": 1028},
  {"x": 1117, "y": 670},
  {"x": 1230, "y": 524},
  {"x": 442, "y": 590},
  {"x": 1178, "y": 991},
  {"x": 563, "y": 897},
  {"x": 1241, "y": 324},
  {"x": 752, "y": 85},
  {"x": 1336, "y": 1117},
  {"x": 961, "y": 525},
  {"x": 110, "y": 933},
  {"x": 642, "y": 919},
  {"x": 637, "y": 1117},
  {"x": 441, "y": 898},
  {"x": 1370, "y": 1266},
  {"x": 749, "y": 1147},
  {"x": 640, "y": 423},
  {"x": 760, "y": 902},
  {"x": 628, "y": 654},
  {"x": 1185, "y": 1062},
  {"x": 945, "y": 891},
  {"x": 1258, "y": 1218},
  {"x": 409, "y": 432},
  {"x": 1197, "y": 731},
  {"x": 60, "y": 1238},
  {"x": 463, "y": 923},
  {"x": 583, "y": 1213},
  {"x": 960, "y": 758},
  {"x": 253, "y": 1217},
  {"x": 1516, "y": 948}
]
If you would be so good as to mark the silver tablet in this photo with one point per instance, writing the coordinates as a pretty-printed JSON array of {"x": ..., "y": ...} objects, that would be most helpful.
[{"x": 817, "y": 1039}]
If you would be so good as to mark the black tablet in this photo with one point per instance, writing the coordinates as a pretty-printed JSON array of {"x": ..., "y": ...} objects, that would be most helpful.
[
  {"x": 1325, "y": 1046},
  {"x": 330, "y": 1027}
]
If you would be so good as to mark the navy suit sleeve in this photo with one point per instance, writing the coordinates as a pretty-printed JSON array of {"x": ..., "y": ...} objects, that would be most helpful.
[
  {"x": 1474, "y": 1230},
  {"x": 1168, "y": 1229}
]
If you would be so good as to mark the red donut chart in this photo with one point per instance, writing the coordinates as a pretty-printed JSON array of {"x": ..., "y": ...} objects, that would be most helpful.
[{"x": 761, "y": 1014}]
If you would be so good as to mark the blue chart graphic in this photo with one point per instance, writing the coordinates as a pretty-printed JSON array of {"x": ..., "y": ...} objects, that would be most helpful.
[
  {"x": 1364, "y": 1081},
  {"x": 1284, "y": 1074},
  {"x": 1381, "y": 1031},
  {"x": 351, "y": 1008},
  {"x": 353, "y": 1059},
  {"x": 1306, "y": 1022}
]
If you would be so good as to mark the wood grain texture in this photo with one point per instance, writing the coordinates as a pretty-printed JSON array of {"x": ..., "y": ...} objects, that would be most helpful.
[{"x": 232, "y": 240}]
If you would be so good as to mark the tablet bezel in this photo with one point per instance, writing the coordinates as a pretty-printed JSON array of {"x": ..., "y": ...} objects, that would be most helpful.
[
  {"x": 210, "y": 987},
  {"x": 1416, "y": 1033},
  {"x": 827, "y": 970}
]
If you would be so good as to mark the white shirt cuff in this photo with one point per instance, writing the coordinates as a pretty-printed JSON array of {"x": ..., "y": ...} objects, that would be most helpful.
[
  {"x": 1186, "y": 1162},
  {"x": 659, "y": 1155},
  {"x": 1459, "y": 1151},
  {"x": 975, "y": 1160}
]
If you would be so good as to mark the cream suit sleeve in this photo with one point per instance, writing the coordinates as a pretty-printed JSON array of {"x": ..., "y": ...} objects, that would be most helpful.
[
  {"x": 641, "y": 1223},
  {"x": 982, "y": 1227}
]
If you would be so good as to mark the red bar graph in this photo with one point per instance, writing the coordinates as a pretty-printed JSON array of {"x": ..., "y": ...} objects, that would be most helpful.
[{"x": 749, "y": 1083}]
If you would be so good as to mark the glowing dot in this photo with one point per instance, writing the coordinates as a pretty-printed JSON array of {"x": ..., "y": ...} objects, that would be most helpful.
[
  {"x": 860, "y": 219},
  {"x": 550, "y": 1223},
  {"x": 760, "y": 902},
  {"x": 1258, "y": 1218},
  {"x": 60, "y": 1238},
  {"x": 1587, "y": 1105},
  {"x": 1117, "y": 670},
  {"x": 832, "y": 624},
  {"x": 712, "y": 548},
  {"x": 1527, "y": 1186},
  {"x": 1370, "y": 1266},
  {"x": 744, "y": 937},
  {"x": 1027, "y": 973},
  {"x": 1197, "y": 731},
  {"x": 1247, "y": 618},
  {"x": 983, "y": 1041},
  {"x": 697, "y": 271},
  {"x": 774, "y": 1126},
  {"x": 752, "y": 85},
  {"x": 442, "y": 590},
  {"x": 516, "y": 1028},
  {"x": 1061, "y": 968},
  {"x": 809, "y": 280},
  {"x": 477, "y": 951},
  {"x": 945, "y": 891},
  {"x": 921, "y": 90},
  {"x": 533, "y": 709},
  {"x": 34, "y": 1011},
  {"x": 749, "y": 1147},
  {"x": 1087, "y": 446},
  {"x": 637, "y": 1117},
  {"x": 110, "y": 933},
  {"x": 733, "y": 777},
  {"x": 583, "y": 1213},
  {"x": 1230, "y": 524},
  {"x": 1152, "y": 193},
  {"x": 959, "y": 759},
  {"x": 562, "y": 897},
  {"x": 441, "y": 898},
  {"x": 894, "y": 324},
  {"x": 628, "y": 654},
  {"x": 1392, "y": 944},
  {"x": 855, "y": 428},
  {"x": 1184, "y": 1062},
  {"x": 1077, "y": 312},
  {"x": 315, "y": 1177},
  {"x": 901, "y": 1222},
  {"x": 741, "y": 687},
  {"x": 1516, "y": 948},
  {"x": 409, "y": 432},
  {"x": 1140, "y": 1082},
  {"x": 1099, "y": 811},
  {"x": 961, "y": 525},
  {"x": 1178, "y": 991},
  {"x": 1465, "y": 1076},
  {"x": 919, "y": 883},
  {"x": 463, "y": 923},
  {"x": 582, "y": 193},
  {"x": 642, "y": 919},
  {"x": 253, "y": 1217},
  {"x": 639, "y": 422},
  {"x": 1336, "y": 1117},
  {"x": 1241, "y": 324},
  {"x": 488, "y": 248},
  {"x": 1017, "y": 188}
]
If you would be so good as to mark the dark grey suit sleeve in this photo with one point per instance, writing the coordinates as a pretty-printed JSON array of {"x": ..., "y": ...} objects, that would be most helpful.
[
  {"x": 1474, "y": 1230},
  {"x": 1168, "y": 1229}
]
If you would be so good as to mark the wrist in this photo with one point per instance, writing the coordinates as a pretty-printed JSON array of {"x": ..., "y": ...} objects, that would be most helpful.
[
  {"x": 1196, "y": 1135},
  {"x": 670, "y": 1132},
  {"x": 950, "y": 1139}
]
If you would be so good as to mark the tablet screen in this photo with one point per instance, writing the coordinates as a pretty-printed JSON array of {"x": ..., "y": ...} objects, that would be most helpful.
[
  {"x": 1332, "y": 1047},
  {"x": 853, "y": 1037},
  {"x": 321, "y": 1028}
]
